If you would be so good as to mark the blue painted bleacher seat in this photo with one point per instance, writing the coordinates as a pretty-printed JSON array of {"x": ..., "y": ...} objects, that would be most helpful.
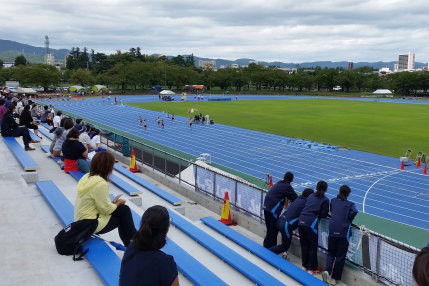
[
  {"x": 151, "y": 187},
  {"x": 244, "y": 266},
  {"x": 33, "y": 136},
  {"x": 46, "y": 133},
  {"x": 123, "y": 185},
  {"x": 101, "y": 256},
  {"x": 282, "y": 264},
  {"x": 27, "y": 163}
]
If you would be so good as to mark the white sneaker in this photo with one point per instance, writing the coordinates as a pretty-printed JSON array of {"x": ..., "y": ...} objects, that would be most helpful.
[
  {"x": 284, "y": 255},
  {"x": 333, "y": 282},
  {"x": 325, "y": 276}
]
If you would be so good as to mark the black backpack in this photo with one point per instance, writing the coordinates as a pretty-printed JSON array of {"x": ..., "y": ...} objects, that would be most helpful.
[{"x": 70, "y": 239}]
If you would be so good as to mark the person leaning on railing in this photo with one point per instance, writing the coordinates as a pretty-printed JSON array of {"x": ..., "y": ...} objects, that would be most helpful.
[{"x": 343, "y": 212}]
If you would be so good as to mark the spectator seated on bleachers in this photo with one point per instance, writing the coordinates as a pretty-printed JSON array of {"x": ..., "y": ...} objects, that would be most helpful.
[
  {"x": 93, "y": 199},
  {"x": 95, "y": 141},
  {"x": 3, "y": 109},
  {"x": 74, "y": 151},
  {"x": 35, "y": 113},
  {"x": 9, "y": 128},
  {"x": 144, "y": 263},
  {"x": 25, "y": 119},
  {"x": 46, "y": 116},
  {"x": 84, "y": 137},
  {"x": 60, "y": 134}
]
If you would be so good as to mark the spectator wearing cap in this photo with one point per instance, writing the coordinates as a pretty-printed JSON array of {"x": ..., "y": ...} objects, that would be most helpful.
[{"x": 78, "y": 124}]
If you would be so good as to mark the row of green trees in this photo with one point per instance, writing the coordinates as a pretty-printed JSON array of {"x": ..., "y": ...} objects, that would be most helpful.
[{"x": 133, "y": 70}]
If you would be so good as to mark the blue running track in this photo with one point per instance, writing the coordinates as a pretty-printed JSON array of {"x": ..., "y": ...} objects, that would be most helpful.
[{"x": 378, "y": 186}]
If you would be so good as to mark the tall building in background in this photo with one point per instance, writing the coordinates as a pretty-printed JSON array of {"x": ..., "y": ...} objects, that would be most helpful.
[
  {"x": 350, "y": 66},
  {"x": 405, "y": 62},
  {"x": 49, "y": 58},
  {"x": 210, "y": 65}
]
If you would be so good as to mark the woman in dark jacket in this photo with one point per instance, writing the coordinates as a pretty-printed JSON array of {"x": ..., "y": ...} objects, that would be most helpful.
[
  {"x": 9, "y": 128},
  {"x": 25, "y": 119},
  {"x": 144, "y": 263}
]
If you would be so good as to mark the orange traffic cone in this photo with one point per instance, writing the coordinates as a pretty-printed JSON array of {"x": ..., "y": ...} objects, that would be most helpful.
[
  {"x": 425, "y": 170},
  {"x": 225, "y": 216},
  {"x": 417, "y": 163},
  {"x": 402, "y": 165},
  {"x": 270, "y": 182},
  {"x": 133, "y": 165}
]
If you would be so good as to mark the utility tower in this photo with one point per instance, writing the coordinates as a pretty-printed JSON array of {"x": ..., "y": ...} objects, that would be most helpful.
[
  {"x": 47, "y": 44},
  {"x": 49, "y": 58}
]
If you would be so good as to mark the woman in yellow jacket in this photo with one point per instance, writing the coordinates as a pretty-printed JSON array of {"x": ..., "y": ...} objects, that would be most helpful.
[{"x": 93, "y": 199}]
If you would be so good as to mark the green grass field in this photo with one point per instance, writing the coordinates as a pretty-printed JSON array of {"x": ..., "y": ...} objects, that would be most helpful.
[{"x": 376, "y": 127}]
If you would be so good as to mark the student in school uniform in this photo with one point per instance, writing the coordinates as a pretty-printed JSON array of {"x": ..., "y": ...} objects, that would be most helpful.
[
  {"x": 288, "y": 222},
  {"x": 273, "y": 205},
  {"x": 343, "y": 212},
  {"x": 316, "y": 207}
]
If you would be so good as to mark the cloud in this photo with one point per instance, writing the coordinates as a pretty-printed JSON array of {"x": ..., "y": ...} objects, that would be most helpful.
[{"x": 288, "y": 30}]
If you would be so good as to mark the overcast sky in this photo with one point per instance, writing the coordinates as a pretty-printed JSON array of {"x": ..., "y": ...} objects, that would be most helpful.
[{"x": 271, "y": 30}]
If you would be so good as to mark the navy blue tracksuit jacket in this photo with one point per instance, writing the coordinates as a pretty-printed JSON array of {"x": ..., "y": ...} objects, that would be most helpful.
[
  {"x": 315, "y": 209},
  {"x": 290, "y": 216},
  {"x": 276, "y": 196},
  {"x": 342, "y": 215}
]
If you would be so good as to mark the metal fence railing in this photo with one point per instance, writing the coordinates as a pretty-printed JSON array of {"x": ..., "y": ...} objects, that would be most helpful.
[
  {"x": 386, "y": 259},
  {"x": 389, "y": 261}
]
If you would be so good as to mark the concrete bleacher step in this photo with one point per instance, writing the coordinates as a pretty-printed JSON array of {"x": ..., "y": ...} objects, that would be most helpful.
[
  {"x": 101, "y": 256},
  {"x": 24, "y": 159},
  {"x": 283, "y": 265}
]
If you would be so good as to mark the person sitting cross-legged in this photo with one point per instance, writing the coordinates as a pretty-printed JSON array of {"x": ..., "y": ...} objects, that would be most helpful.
[{"x": 25, "y": 119}]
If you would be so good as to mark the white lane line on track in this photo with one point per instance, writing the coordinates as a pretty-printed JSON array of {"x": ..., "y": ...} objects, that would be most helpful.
[{"x": 366, "y": 194}]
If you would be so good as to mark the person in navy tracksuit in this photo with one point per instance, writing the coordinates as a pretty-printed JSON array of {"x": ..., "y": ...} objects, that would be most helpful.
[
  {"x": 288, "y": 221},
  {"x": 316, "y": 207},
  {"x": 273, "y": 205},
  {"x": 342, "y": 214}
]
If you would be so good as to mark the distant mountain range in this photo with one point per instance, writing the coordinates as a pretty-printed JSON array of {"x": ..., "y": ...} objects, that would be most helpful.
[{"x": 11, "y": 49}]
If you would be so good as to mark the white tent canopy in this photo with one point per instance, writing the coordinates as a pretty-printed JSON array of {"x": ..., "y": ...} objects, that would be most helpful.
[
  {"x": 166, "y": 92},
  {"x": 382, "y": 91},
  {"x": 25, "y": 90},
  {"x": 76, "y": 87},
  {"x": 99, "y": 87}
]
